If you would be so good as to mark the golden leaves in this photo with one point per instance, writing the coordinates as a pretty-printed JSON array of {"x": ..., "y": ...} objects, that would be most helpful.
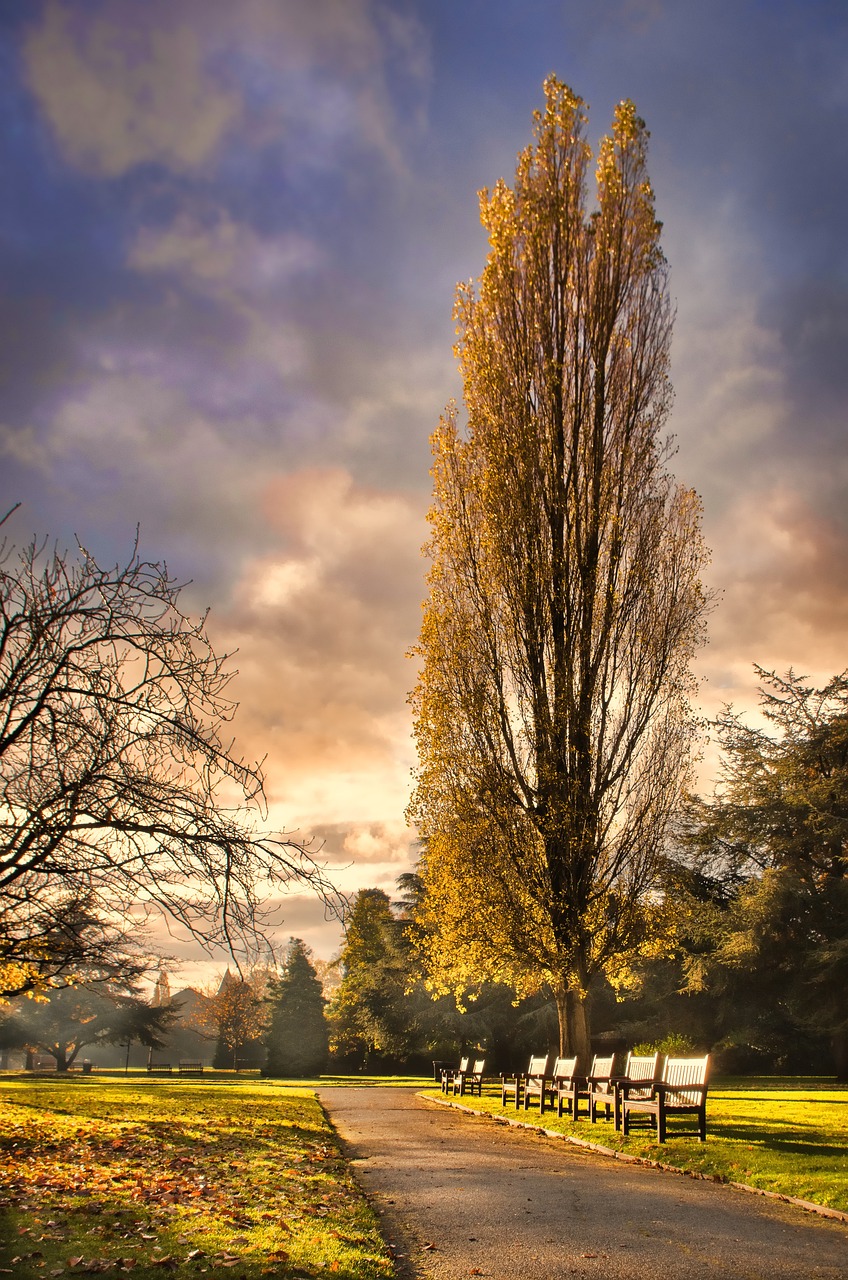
[{"x": 550, "y": 714}]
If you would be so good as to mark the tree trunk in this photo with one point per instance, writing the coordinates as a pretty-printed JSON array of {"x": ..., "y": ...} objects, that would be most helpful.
[
  {"x": 573, "y": 1015},
  {"x": 840, "y": 1053}
]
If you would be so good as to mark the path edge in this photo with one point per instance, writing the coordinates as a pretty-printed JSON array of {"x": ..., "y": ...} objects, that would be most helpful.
[{"x": 822, "y": 1210}]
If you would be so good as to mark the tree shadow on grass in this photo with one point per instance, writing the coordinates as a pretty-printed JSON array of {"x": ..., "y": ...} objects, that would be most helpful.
[{"x": 790, "y": 1141}]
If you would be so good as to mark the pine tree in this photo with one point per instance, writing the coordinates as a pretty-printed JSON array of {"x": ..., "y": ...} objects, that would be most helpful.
[{"x": 297, "y": 1040}]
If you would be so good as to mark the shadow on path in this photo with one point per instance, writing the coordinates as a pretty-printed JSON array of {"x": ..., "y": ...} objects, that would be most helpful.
[{"x": 462, "y": 1197}]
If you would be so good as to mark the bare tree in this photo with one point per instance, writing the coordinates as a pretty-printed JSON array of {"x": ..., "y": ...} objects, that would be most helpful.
[
  {"x": 552, "y": 712},
  {"x": 119, "y": 790}
]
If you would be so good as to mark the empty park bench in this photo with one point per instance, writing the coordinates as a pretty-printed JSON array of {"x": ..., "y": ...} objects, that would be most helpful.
[
  {"x": 471, "y": 1078},
  {"x": 526, "y": 1084},
  {"x": 159, "y": 1069},
  {"x": 515, "y": 1084},
  {"x": 565, "y": 1086},
  {"x": 448, "y": 1074},
  {"x": 682, "y": 1090},
  {"x": 191, "y": 1068},
  {"x": 600, "y": 1087},
  {"x": 640, "y": 1072},
  {"x": 537, "y": 1082}
]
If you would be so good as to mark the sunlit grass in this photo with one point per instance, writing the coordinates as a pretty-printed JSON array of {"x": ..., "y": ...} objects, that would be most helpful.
[
  {"x": 177, "y": 1178},
  {"x": 790, "y": 1140}
]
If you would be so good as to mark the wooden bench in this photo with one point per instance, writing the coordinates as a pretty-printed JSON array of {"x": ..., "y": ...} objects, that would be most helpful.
[
  {"x": 191, "y": 1068},
  {"x": 640, "y": 1072},
  {"x": 159, "y": 1069},
  {"x": 515, "y": 1084},
  {"x": 565, "y": 1085},
  {"x": 682, "y": 1090},
  {"x": 600, "y": 1087},
  {"x": 470, "y": 1078},
  {"x": 537, "y": 1082},
  {"x": 448, "y": 1074}
]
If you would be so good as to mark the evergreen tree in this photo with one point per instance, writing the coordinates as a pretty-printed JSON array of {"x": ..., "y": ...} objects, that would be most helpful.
[
  {"x": 371, "y": 1010},
  {"x": 298, "y": 1038},
  {"x": 776, "y": 836}
]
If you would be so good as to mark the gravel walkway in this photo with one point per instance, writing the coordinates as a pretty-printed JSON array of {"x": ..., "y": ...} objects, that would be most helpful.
[{"x": 460, "y": 1196}]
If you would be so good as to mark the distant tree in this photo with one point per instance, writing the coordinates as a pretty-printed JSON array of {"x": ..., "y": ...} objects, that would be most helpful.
[
  {"x": 370, "y": 1011},
  {"x": 381, "y": 1006},
  {"x": 298, "y": 1036},
  {"x": 774, "y": 943},
  {"x": 117, "y": 784},
  {"x": 105, "y": 1010},
  {"x": 238, "y": 1014},
  {"x": 70, "y": 939},
  {"x": 552, "y": 710}
]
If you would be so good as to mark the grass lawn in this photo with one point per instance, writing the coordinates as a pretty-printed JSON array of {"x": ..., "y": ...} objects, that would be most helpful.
[
  {"x": 787, "y": 1136},
  {"x": 243, "y": 1179}
]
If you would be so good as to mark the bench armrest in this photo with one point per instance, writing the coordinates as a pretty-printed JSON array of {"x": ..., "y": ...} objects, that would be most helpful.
[{"x": 623, "y": 1087}]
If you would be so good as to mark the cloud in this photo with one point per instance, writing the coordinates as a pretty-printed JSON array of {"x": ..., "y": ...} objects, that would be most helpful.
[
  {"x": 123, "y": 85},
  {"x": 225, "y": 258},
  {"x": 378, "y": 844},
  {"x": 322, "y": 625},
  {"x": 119, "y": 92},
  {"x": 781, "y": 564}
]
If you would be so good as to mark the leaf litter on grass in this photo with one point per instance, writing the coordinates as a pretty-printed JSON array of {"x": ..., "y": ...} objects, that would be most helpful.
[{"x": 183, "y": 1180}]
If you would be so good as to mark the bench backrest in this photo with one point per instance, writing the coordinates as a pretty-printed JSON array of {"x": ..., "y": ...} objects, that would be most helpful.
[
  {"x": 463, "y": 1064},
  {"x": 602, "y": 1067},
  {"x": 642, "y": 1068},
  {"x": 479, "y": 1066},
  {"x": 564, "y": 1068},
  {"x": 538, "y": 1066},
  {"x": 683, "y": 1071}
]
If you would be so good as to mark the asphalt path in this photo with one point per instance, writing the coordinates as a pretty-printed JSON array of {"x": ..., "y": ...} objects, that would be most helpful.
[{"x": 462, "y": 1196}]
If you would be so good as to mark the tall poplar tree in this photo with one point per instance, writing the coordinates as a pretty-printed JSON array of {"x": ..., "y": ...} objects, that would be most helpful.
[{"x": 552, "y": 710}]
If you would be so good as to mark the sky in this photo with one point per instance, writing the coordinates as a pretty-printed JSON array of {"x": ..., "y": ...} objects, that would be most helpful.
[{"x": 229, "y": 239}]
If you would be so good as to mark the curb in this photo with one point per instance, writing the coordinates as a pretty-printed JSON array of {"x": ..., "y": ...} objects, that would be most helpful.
[{"x": 822, "y": 1210}]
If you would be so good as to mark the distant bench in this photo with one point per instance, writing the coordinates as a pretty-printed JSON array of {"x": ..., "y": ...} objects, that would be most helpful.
[
  {"x": 159, "y": 1068},
  {"x": 191, "y": 1068}
]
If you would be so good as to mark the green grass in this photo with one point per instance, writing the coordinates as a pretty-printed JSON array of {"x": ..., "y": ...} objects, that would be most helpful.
[
  {"x": 241, "y": 1077},
  {"x": 785, "y": 1136},
  {"x": 239, "y": 1177},
  {"x": 243, "y": 1179}
]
